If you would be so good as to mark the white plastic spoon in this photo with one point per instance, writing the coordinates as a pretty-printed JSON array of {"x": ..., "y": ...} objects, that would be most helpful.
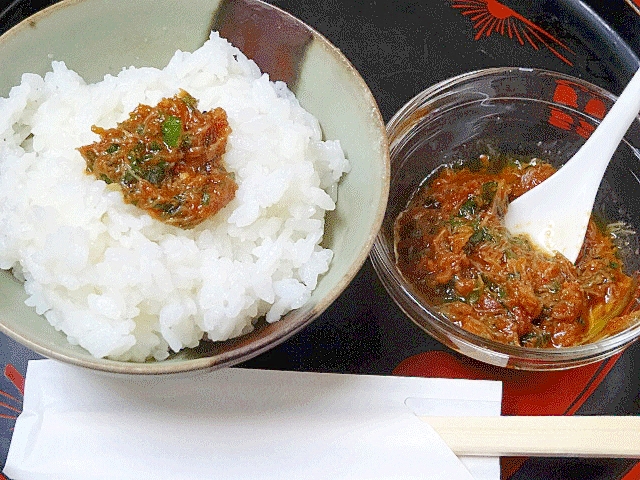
[{"x": 555, "y": 214}]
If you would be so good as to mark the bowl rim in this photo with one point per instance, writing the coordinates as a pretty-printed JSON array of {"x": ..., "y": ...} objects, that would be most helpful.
[
  {"x": 233, "y": 357},
  {"x": 403, "y": 294}
]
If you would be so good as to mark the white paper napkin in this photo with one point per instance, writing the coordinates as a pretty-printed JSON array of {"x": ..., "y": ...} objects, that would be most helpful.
[{"x": 241, "y": 423}]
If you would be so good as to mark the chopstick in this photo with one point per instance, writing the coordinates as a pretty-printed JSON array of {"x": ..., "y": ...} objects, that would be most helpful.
[{"x": 542, "y": 436}]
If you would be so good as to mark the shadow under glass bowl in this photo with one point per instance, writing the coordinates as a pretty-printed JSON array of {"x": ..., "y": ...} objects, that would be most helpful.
[{"x": 525, "y": 112}]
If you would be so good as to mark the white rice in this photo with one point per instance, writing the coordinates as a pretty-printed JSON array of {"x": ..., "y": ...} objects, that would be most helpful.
[{"x": 125, "y": 286}]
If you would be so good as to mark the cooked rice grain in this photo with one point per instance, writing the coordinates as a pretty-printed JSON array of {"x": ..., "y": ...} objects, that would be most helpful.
[{"x": 128, "y": 287}]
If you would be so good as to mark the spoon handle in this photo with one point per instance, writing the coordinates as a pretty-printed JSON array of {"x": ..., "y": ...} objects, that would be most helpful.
[
  {"x": 555, "y": 213},
  {"x": 594, "y": 156}
]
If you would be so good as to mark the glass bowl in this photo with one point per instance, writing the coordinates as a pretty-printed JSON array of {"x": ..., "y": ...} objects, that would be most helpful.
[{"x": 522, "y": 111}]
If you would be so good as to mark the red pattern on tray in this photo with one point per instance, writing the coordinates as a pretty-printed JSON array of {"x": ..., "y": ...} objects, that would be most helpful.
[
  {"x": 10, "y": 404},
  {"x": 523, "y": 392},
  {"x": 573, "y": 95},
  {"x": 492, "y": 16},
  {"x": 633, "y": 474}
]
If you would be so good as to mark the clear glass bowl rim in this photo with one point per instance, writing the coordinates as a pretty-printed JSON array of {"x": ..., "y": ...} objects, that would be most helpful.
[{"x": 438, "y": 326}]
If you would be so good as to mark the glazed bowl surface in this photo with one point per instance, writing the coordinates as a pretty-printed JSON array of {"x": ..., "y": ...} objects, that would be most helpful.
[{"x": 99, "y": 37}]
